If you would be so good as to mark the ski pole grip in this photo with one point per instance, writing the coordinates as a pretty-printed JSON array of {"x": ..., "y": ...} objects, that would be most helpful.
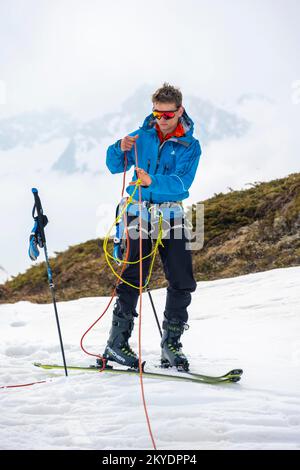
[
  {"x": 39, "y": 210},
  {"x": 37, "y": 202}
]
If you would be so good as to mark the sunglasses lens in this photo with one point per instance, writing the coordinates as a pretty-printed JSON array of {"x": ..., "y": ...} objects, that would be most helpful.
[
  {"x": 169, "y": 114},
  {"x": 157, "y": 115},
  {"x": 166, "y": 114}
]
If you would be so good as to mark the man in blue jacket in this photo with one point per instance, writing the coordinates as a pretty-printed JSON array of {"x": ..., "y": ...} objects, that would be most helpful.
[{"x": 168, "y": 157}]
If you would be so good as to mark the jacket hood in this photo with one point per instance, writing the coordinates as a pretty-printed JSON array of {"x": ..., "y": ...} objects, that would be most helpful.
[{"x": 185, "y": 120}]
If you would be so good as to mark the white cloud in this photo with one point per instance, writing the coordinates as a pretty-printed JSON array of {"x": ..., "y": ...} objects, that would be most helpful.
[
  {"x": 3, "y": 92},
  {"x": 268, "y": 151},
  {"x": 86, "y": 57},
  {"x": 296, "y": 92}
]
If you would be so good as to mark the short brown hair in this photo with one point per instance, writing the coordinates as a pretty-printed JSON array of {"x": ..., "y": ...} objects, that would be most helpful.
[{"x": 168, "y": 94}]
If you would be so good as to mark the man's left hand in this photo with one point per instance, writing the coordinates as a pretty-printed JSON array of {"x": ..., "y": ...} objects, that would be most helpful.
[{"x": 143, "y": 176}]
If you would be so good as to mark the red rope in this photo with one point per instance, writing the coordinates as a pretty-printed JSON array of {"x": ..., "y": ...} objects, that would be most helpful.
[
  {"x": 108, "y": 305},
  {"x": 98, "y": 319},
  {"x": 114, "y": 290},
  {"x": 140, "y": 309},
  {"x": 140, "y": 302},
  {"x": 23, "y": 385}
]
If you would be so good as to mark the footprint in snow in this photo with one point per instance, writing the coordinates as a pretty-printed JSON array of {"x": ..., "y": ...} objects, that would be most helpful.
[
  {"x": 18, "y": 323},
  {"x": 22, "y": 350}
]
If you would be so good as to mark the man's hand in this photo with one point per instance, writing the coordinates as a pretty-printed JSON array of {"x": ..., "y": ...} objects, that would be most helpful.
[
  {"x": 127, "y": 142},
  {"x": 143, "y": 176}
]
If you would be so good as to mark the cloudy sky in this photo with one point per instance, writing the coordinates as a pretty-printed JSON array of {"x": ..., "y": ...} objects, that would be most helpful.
[{"x": 87, "y": 57}]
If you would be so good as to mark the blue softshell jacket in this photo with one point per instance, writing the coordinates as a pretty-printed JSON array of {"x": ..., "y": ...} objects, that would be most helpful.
[{"x": 171, "y": 165}]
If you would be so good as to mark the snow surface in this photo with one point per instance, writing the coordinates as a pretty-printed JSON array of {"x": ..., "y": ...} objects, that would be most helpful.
[{"x": 251, "y": 321}]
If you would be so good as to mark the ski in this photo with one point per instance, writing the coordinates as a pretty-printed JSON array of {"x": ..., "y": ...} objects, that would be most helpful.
[
  {"x": 188, "y": 377},
  {"x": 234, "y": 373}
]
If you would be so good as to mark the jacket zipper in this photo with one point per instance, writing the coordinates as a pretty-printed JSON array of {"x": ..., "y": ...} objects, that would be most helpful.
[
  {"x": 157, "y": 163},
  {"x": 159, "y": 155}
]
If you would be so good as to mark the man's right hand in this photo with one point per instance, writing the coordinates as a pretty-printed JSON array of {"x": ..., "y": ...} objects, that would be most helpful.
[{"x": 127, "y": 142}]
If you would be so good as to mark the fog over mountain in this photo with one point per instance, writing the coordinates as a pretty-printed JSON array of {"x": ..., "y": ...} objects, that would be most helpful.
[{"x": 81, "y": 137}]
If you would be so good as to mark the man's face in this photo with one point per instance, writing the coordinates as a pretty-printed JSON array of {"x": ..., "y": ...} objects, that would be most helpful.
[{"x": 168, "y": 125}]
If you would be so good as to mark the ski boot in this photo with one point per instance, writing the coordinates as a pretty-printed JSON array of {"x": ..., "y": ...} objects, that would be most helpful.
[
  {"x": 171, "y": 352},
  {"x": 117, "y": 348}
]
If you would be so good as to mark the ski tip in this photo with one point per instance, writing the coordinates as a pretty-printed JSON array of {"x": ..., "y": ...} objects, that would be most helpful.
[{"x": 236, "y": 372}]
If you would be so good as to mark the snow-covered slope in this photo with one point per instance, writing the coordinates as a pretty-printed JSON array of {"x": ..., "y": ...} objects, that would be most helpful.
[{"x": 251, "y": 322}]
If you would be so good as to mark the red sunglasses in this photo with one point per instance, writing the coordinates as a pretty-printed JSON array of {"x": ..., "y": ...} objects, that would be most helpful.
[{"x": 165, "y": 114}]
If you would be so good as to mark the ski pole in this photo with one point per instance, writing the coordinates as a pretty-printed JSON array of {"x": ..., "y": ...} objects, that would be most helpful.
[
  {"x": 38, "y": 238},
  {"x": 154, "y": 311}
]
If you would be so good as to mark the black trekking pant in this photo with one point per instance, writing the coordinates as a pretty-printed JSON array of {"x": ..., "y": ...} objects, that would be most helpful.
[{"x": 177, "y": 264}]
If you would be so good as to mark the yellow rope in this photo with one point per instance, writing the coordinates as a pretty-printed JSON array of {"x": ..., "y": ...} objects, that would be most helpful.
[{"x": 153, "y": 252}]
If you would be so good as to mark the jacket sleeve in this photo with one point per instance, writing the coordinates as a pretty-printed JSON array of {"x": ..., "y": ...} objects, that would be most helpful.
[
  {"x": 115, "y": 157},
  {"x": 183, "y": 176}
]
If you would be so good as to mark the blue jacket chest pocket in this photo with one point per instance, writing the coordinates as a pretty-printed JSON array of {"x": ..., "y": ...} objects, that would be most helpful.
[
  {"x": 166, "y": 169},
  {"x": 169, "y": 165}
]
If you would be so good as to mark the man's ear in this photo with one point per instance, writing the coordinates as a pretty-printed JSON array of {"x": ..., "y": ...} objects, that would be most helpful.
[{"x": 180, "y": 111}]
